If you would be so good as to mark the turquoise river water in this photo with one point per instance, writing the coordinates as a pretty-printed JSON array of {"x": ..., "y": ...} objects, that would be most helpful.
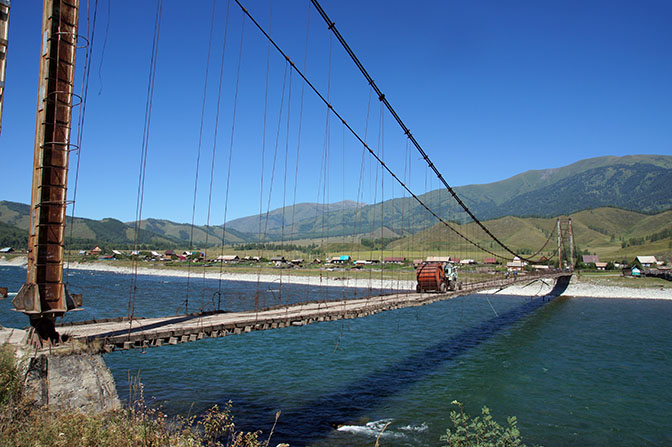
[{"x": 574, "y": 371}]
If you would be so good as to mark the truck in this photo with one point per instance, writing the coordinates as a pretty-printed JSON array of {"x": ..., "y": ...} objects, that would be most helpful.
[{"x": 437, "y": 277}]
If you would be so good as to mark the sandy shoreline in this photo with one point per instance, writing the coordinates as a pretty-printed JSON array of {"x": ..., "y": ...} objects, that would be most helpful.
[
  {"x": 249, "y": 277},
  {"x": 577, "y": 288}
]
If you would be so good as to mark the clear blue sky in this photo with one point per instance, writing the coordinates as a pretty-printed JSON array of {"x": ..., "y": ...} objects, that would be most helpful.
[{"x": 489, "y": 88}]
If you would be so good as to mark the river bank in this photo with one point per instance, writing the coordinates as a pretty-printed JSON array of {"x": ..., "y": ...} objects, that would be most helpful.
[{"x": 580, "y": 285}]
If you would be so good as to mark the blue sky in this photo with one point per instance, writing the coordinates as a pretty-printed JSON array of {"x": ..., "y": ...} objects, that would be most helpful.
[{"x": 489, "y": 88}]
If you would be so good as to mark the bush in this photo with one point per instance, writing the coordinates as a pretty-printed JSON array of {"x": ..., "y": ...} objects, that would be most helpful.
[{"x": 481, "y": 431}]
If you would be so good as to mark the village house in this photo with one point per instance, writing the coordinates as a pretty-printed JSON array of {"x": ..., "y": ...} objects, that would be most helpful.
[
  {"x": 516, "y": 265},
  {"x": 601, "y": 265},
  {"x": 7, "y": 250},
  {"x": 590, "y": 259},
  {"x": 489, "y": 260},
  {"x": 440, "y": 259},
  {"x": 228, "y": 259},
  {"x": 279, "y": 261},
  {"x": 647, "y": 261},
  {"x": 343, "y": 259},
  {"x": 95, "y": 251},
  {"x": 394, "y": 260}
]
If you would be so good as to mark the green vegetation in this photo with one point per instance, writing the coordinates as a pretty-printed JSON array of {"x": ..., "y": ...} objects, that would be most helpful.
[
  {"x": 12, "y": 237},
  {"x": 634, "y": 187},
  {"x": 481, "y": 431},
  {"x": 21, "y": 424}
]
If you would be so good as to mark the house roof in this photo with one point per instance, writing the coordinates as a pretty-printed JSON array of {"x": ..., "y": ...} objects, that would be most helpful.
[
  {"x": 394, "y": 259},
  {"x": 438, "y": 259},
  {"x": 647, "y": 259},
  {"x": 588, "y": 259},
  {"x": 489, "y": 260}
]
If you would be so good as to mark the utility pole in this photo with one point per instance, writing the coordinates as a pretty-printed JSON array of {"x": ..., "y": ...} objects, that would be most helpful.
[{"x": 43, "y": 297}]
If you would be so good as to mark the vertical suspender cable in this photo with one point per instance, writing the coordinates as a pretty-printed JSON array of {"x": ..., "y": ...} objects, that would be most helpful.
[
  {"x": 214, "y": 143},
  {"x": 198, "y": 154},
  {"x": 233, "y": 128},
  {"x": 80, "y": 120},
  {"x": 143, "y": 154},
  {"x": 263, "y": 149}
]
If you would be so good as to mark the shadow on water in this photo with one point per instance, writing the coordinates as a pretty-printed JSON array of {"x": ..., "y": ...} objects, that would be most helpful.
[{"x": 309, "y": 423}]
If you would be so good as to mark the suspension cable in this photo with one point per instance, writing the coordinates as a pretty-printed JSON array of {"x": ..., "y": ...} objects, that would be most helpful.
[
  {"x": 214, "y": 144},
  {"x": 356, "y": 135},
  {"x": 407, "y": 132},
  {"x": 80, "y": 121},
  {"x": 198, "y": 153},
  {"x": 233, "y": 128},
  {"x": 143, "y": 155}
]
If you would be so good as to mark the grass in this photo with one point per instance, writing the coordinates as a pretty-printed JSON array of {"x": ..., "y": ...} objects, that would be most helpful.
[{"x": 22, "y": 424}]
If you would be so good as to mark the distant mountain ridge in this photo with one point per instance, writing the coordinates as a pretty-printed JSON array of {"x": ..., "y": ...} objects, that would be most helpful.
[{"x": 639, "y": 183}]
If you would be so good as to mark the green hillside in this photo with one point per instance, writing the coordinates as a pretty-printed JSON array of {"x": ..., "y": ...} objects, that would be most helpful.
[
  {"x": 611, "y": 233},
  {"x": 638, "y": 183}
]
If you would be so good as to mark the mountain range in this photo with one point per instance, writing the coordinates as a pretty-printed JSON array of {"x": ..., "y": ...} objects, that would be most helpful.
[{"x": 638, "y": 183}]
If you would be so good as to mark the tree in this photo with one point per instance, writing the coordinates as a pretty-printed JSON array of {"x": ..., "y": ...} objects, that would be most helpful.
[{"x": 481, "y": 431}]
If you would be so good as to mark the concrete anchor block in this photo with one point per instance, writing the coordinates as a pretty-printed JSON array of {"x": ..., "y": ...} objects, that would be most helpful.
[
  {"x": 172, "y": 341},
  {"x": 108, "y": 348},
  {"x": 128, "y": 345},
  {"x": 201, "y": 335},
  {"x": 237, "y": 331},
  {"x": 248, "y": 328},
  {"x": 158, "y": 342},
  {"x": 192, "y": 337}
]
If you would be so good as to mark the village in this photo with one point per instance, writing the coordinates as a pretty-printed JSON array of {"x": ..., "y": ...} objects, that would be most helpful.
[{"x": 640, "y": 266}]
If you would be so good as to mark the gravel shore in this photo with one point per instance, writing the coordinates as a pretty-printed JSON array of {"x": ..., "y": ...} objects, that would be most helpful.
[{"x": 577, "y": 288}]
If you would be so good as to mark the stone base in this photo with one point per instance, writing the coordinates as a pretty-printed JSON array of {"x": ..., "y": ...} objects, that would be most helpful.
[{"x": 80, "y": 382}]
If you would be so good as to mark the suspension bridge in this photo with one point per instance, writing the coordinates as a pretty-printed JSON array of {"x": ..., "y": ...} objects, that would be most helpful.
[{"x": 385, "y": 163}]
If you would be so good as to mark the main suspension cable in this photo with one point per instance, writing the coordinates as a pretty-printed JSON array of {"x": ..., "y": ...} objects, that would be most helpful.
[
  {"x": 407, "y": 132},
  {"x": 356, "y": 135}
]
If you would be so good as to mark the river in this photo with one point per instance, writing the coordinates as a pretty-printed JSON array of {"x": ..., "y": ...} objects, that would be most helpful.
[{"x": 575, "y": 371}]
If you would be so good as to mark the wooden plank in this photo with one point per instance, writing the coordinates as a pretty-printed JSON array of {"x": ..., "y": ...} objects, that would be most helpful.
[{"x": 154, "y": 332}]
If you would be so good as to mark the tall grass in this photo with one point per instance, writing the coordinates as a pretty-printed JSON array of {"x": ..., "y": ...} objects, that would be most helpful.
[{"x": 23, "y": 424}]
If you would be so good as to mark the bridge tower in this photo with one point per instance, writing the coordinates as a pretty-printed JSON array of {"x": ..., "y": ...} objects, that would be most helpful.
[
  {"x": 4, "y": 41},
  {"x": 565, "y": 235},
  {"x": 43, "y": 297}
]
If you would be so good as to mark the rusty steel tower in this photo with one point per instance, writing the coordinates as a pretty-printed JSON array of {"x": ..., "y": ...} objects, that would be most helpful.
[
  {"x": 4, "y": 42},
  {"x": 43, "y": 297},
  {"x": 565, "y": 235}
]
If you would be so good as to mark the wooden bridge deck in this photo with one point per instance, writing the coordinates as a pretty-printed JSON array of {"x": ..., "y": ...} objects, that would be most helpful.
[{"x": 107, "y": 336}]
